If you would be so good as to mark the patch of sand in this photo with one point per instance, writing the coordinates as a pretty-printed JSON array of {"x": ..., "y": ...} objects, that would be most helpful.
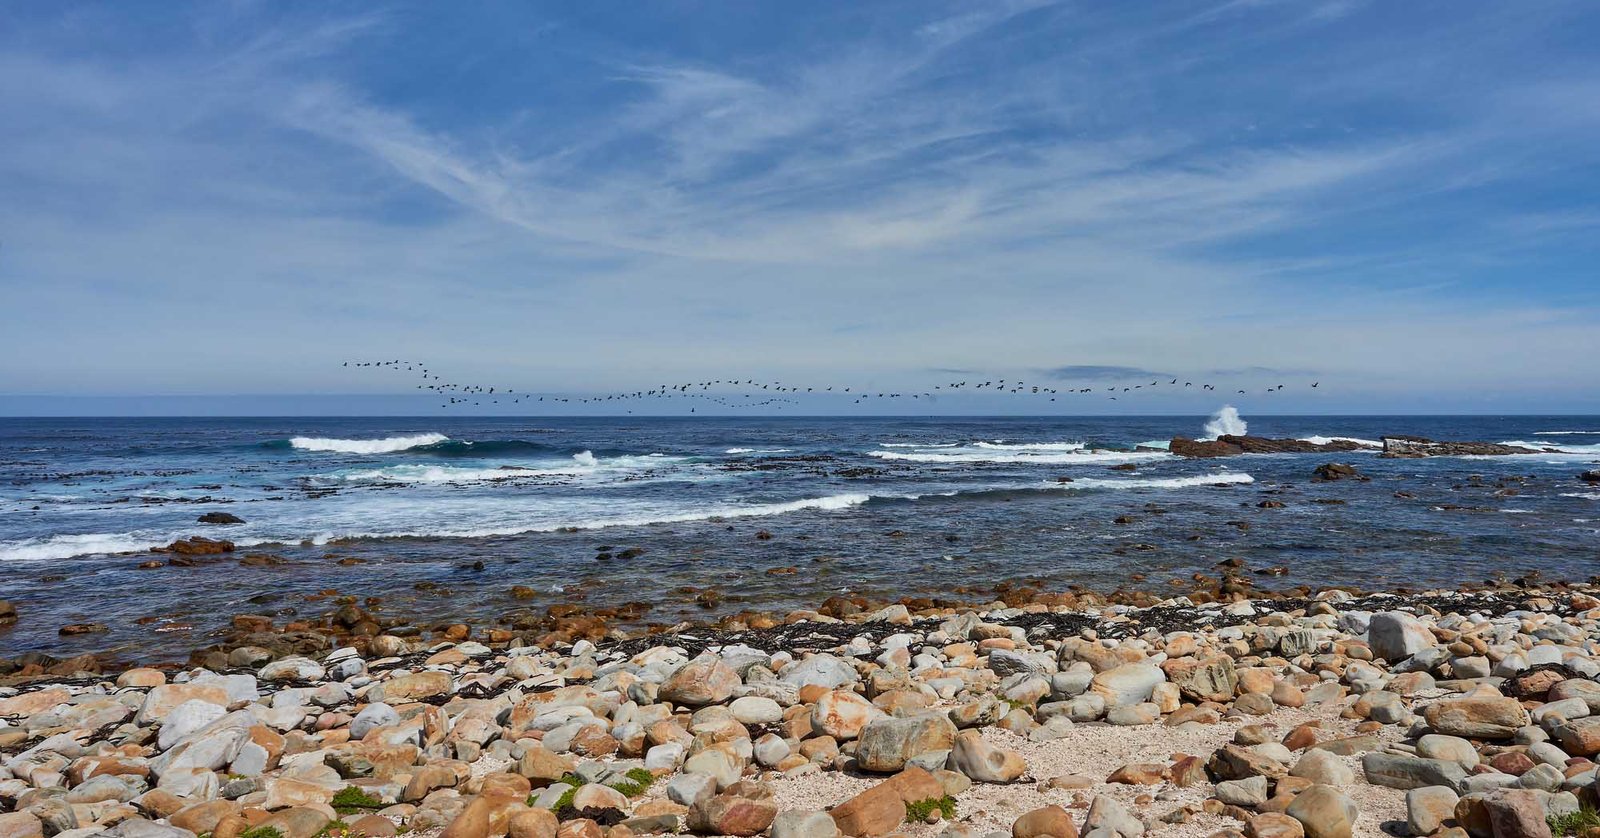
[{"x": 1097, "y": 750}]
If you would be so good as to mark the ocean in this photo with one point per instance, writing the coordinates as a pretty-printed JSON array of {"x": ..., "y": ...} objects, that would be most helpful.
[{"x": 441, "y": 518}]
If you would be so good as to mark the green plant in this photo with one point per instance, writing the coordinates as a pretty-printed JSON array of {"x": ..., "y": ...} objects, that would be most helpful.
[
  {"x": 1574, "y": 823},
  {"x": 261, "y": 832},
  {"x": 572, "y": 782},
  {"x": 334, "y": 829},
  {"x": 350, "y": 800},
  {"x": 639, "y": 779},
  {"x": 918, "y": 812}
]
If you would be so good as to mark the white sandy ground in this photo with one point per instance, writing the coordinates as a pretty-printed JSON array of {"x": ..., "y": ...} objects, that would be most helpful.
[{"x": 1096, "y": 750}]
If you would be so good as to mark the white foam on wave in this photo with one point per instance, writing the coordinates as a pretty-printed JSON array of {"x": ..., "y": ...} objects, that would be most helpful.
[
  {"x": 66, "y": 546},
  {"x": 1093, "y": 483},
  {"x": 1156, "y": 482},
  {"x": 603, "y": 521},
  {"x": 756, "y": 451},
  {"x": 431, "y": 518},
  {"x": 1226, "y": 421},
  {"x": 1585, "y": 495},
  {"x": 386, "y": 515},
  {"x": 366, "y": 446},
  {"x": 583, "y": 463},
  {"x": 979, "y": 455},
  {"x": 919, "y": 444},
  {"x": 1001, "y": 445},
  {"x": 1325, "y": 440},
  {"x": 1559, "y": 447}
]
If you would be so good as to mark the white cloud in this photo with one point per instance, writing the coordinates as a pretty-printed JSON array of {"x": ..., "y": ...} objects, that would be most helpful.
[{"x": 877, "y": 205}]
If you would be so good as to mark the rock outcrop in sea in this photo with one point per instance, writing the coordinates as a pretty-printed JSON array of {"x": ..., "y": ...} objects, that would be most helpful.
[
  {"x": 1395, "y": 447},
  {"x": 1228, "y": 445},
  {"x": 1413, "y": 447}
]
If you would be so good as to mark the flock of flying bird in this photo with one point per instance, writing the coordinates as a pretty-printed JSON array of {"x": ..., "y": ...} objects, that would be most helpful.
[{"x": 455, "y": 394}]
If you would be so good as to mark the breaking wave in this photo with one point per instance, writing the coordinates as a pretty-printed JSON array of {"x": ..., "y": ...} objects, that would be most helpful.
[
  {"x": 1324, "y": 440},
  {"x": 1081, "y": 485},
  {"x": 976, "y": 454},
  {"x": 1156, "y": 482},
  {"x": 1557, "y": 447},
  {"x": 431, "y": 444},
  {"x": 366, "y": 446},
  {"x": 583, "y": 463},
  {"x": 65, "y": 546},
  {"x": 475, "y": 517},
  {"x": 69, "y": 546},
  {"x": 1000, "y": 445}
]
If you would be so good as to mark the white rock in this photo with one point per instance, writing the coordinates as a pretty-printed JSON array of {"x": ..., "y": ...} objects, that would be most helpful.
[
  {"x": 1395, "y": 636},
  {"x": 185, "y": 719},
  {"x": 755, "y": 710}
]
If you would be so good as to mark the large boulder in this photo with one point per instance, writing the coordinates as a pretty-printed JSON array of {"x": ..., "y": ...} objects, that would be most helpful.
[
  {"x": 162, "y": 700},
  {"x": 1213, "y": 679},
  {"x": 842, "y": 714},
  {"x": 887, "y": 744},
  {"x": 293, "y": 669},
  {"x": 744, "y": 809},
  {"x": 1427, "y": 808},
  {"x": 1130, "y": 683},
  {"x": 1402, "y": 771},
  {"x": 1476, "y": 717},
  {"x": 1580, "y": 736},
  {"x": 416, "y": 686},
  {"x": 1395, "y": 636},
  {"x": 702, "y": 681},
  {"x": 1516, "y": 813},
  {"x": 804, "y": 823},
  {"x": 1045, "y": 822},
  {"x": 1325, "y": 812},
  {"x": 979, "y": 760},
  {"x": 876, "y": 811},
  {"x": 824, "y": 671}
]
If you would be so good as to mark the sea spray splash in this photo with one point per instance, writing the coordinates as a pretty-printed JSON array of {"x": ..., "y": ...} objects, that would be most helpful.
[{"x": 1225, "y": 422}]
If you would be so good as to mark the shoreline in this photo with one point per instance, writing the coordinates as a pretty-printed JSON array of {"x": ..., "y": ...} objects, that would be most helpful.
[{"x": 340, "y": 619}]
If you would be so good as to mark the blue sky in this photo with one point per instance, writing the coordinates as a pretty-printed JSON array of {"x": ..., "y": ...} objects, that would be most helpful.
[{"x": 1401, "y": 200}]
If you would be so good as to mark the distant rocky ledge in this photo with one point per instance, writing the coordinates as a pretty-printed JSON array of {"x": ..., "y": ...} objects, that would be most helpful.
[
  {"x": 1412, "y": 447},
  {"x": 1399, "y": 447},
  {"x": 1228, "y": 445}
]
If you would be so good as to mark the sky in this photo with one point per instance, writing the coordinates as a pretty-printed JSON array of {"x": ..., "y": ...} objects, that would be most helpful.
[{"x": 215, "y": 204}]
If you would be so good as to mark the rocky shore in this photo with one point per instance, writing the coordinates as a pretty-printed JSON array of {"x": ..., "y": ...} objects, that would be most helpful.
[
  {"x": 1443, "y": 713},
  {"x": 1392, "y": 447}
]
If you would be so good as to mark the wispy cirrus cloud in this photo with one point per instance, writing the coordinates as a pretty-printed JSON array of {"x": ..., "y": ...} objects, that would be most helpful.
[{"x": 886, "y": 189}]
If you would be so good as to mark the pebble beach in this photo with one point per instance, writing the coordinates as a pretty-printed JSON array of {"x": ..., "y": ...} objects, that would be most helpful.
[{"x": 1438, "y": 713}]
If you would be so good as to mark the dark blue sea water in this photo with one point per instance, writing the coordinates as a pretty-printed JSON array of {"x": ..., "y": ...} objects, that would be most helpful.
[{"x": 886, "y": 506}]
